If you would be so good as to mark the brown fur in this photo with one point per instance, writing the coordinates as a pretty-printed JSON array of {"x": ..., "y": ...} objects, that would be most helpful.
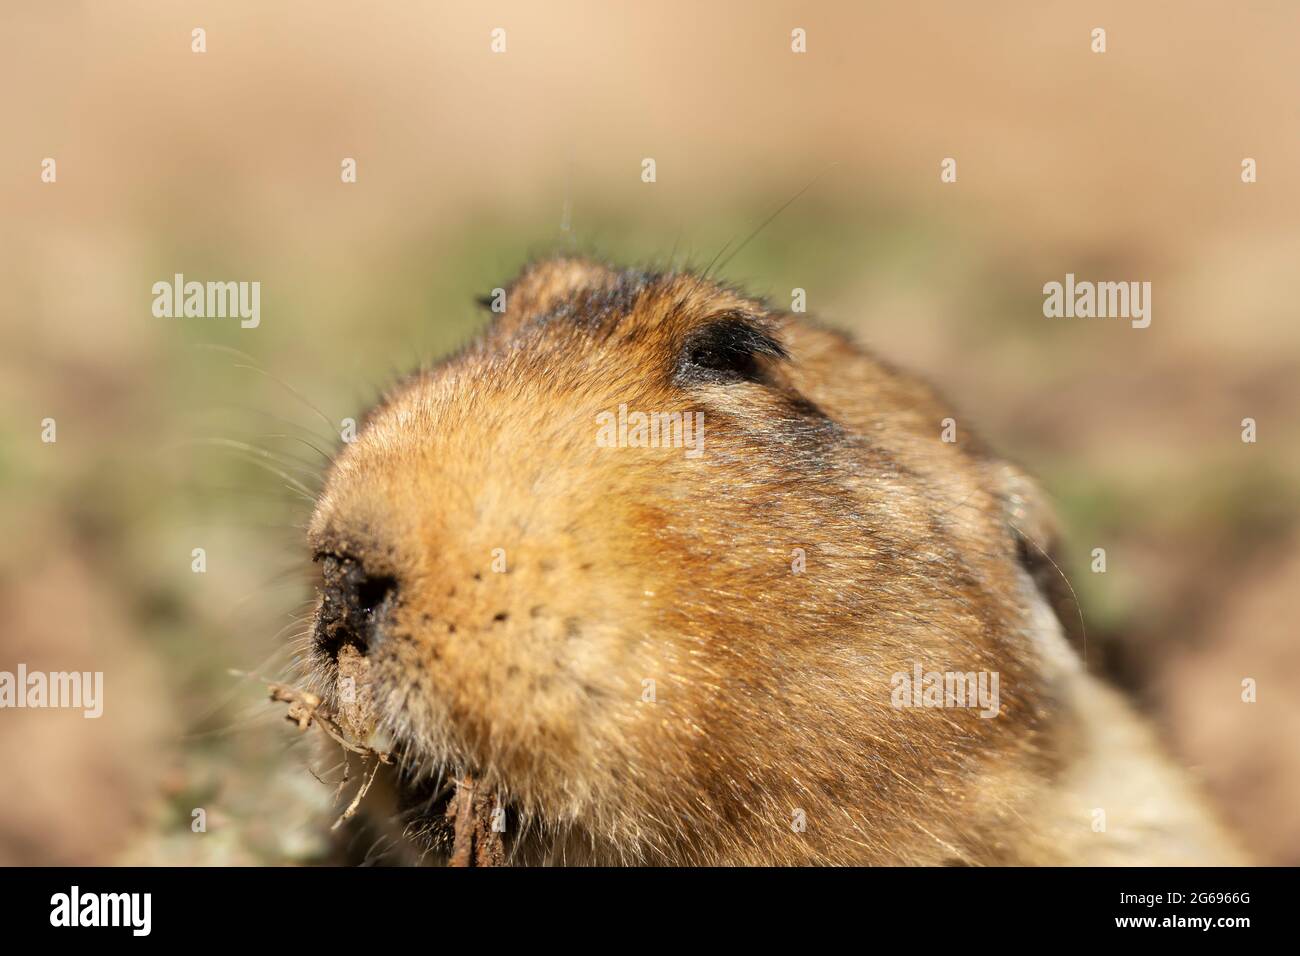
[{"x": 773, "y": 689}]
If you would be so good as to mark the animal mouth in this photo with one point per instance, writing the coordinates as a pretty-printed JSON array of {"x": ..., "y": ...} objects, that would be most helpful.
[{"x": 453, "y": 813}]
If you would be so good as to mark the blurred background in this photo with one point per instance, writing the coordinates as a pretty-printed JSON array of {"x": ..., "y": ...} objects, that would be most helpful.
[{"x": 175, "y": 434}]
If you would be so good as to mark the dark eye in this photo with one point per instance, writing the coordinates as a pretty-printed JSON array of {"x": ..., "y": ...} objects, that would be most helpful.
[{"x": 729, "y": 348}]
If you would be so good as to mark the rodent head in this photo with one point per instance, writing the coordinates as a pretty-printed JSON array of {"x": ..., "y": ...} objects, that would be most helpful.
[{"x": 518, "y": 558}]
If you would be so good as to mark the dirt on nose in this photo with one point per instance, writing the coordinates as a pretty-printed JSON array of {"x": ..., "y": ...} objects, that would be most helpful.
[{"x": 356, "y": 697}]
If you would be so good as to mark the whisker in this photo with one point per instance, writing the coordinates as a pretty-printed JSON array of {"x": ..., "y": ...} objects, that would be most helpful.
[
  {"x": 1077, "y": 605},
  {"x": 248, "y": 362},
  {"x": 257, "y": 456},
  {"x": 764, "y": 224},
  {"x": 257, "y": 451},
  {"x": 232, "y": 728},
  {"x": 325, "y": 455},
  {"x": 234, "y": 692},
  {"x": 327, "y": 438}
]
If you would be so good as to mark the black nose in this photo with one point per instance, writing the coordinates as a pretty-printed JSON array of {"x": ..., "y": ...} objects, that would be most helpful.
[{"x": 353, "y": 604}]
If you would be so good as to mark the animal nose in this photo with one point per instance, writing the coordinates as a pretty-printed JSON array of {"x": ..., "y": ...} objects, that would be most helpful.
[{"x": 352, "y": 605}]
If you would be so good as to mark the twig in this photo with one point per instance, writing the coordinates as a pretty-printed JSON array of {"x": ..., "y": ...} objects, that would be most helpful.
[{"x": 305, "y": 707}]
